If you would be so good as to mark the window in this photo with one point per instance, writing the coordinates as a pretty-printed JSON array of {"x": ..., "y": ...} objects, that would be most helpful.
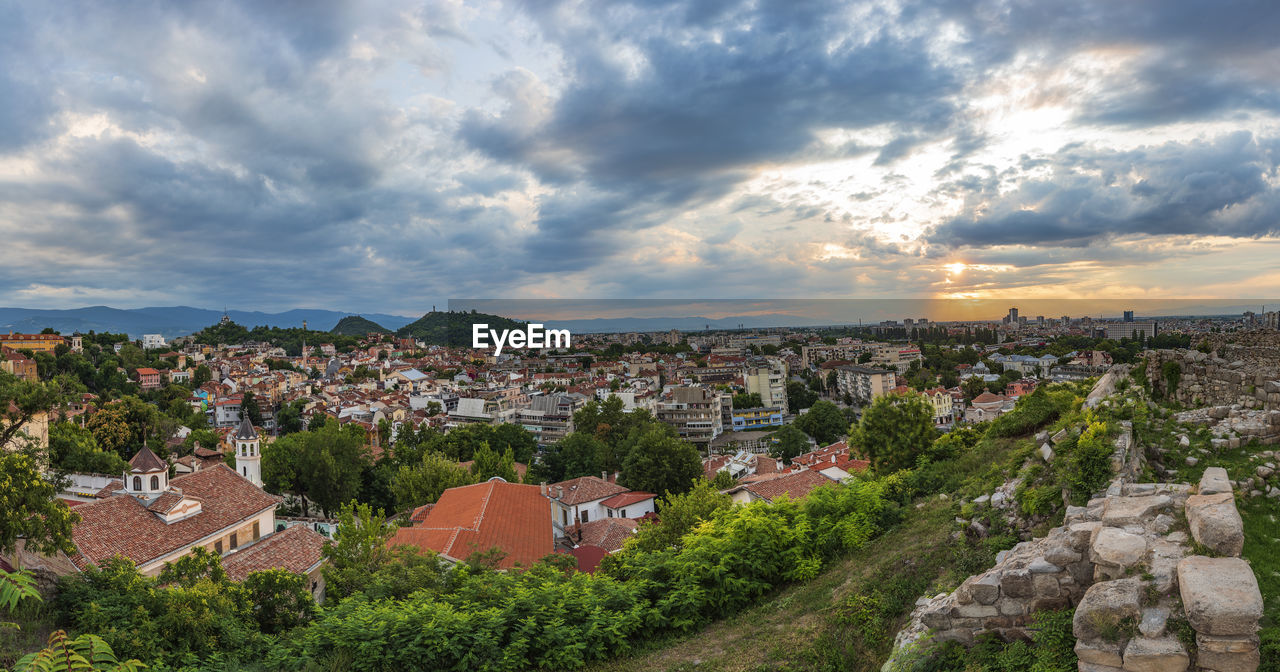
[
  {"x": 137, "y": 483},
  {"x": 235, "y": 543},
  {"x": 609, "y": 511},
  {"x": 564, "y": 515},
  {"x": 256, "y": 532},
  {"x": 217, "y": 547},
  {"x": 585, "y": 517},
  {"x": 623, "y": 514},
  {"x": 155, "y": 482},
  {"x": 246, "y": 471}
]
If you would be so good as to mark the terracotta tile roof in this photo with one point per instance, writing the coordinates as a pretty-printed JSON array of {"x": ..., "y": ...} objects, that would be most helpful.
[
  {"x": 512, "y": 517},
  {"x": 607, "y": 533},
  {"x": 795, "y": 485},
  {"x": 766, "y": 465},
  {"x": 144, "y": 461},
  {"x": 589, "y": 557},
  {"x": 627, "y": 499},
  {"x": 297, "y": 549},
  {"x": 165, "y": 502},
  {"x": 121, "y": 524},
  {"x": 148, "y": 372},
  {"x": 109, "y": 489},
  {"x": 585, "y": 489},
  {"x": 420, "y": 514}
]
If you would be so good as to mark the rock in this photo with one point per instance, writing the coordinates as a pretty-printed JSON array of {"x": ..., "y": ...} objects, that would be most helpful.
[
  {"x": 998, "y": 498},
  {"x": 1121, "y": 511},
  {"x": 1117, "y": 548},
  {"x": 1215, "y": 523},
  {"x": 1191, "y": 461},
  {"x": 1046, "y": 453},
  {"x": 1162, "y": 523},
  {"x": 1042, "y": 566},
  {"x": 1214, "y": 481},
  {"x": 1104, "y": 608},
  {"x": 1153, "y": 622},
  {"x": 1042, "y": 436},
  {"x": 1061, "y": 556},
  {"x": 1227, "y": 654},
  {"x": 1264, "y": 471},
  {"x": 986, "y": 588},
  {"x": 1001, "y": 556},
  {"x": 1184, "y": 441},
  {"x": 1016, "y": 583},
  {"x": 1152, "y": 654},
  {"x": 978, "y": 528},
  {"x": 983, "y": 499},
  {"x": 1220, "y": 596},
  {"x": 1099, "y": 652},
  {"x": 974, "y": 611},
  {"x": 1045, "y": 585},
  {"x": 1060, "y": 436}
]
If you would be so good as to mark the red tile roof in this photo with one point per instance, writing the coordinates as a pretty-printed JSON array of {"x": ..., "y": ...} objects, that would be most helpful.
[
  {"x": 589, "y": 557},
  {"x": 585, "y": 489},
  {"x": 511, "y": 517},
  {"x": 607, "y": 533},
  {"x": 121, "y": 525},
  {"x": 297, "y": 549},
  {"x": 627, "y": 499},
  {"x": 795, "y": 485}
]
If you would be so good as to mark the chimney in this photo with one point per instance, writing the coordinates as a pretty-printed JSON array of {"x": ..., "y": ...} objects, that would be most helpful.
[
  {"x": 559, "y": 492},
  {"x": 543, "y": 488},
  {"x": 604, "y": 475}
]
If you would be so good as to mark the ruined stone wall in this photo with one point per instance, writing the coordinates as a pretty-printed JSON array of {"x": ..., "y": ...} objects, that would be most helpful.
[{"x": 1248, "y": 376}]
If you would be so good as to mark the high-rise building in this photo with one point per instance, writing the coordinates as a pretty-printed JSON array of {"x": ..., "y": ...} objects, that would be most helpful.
[
  {"x": 1012, "y": 317},
  {"x": 1128, "y": 316}
]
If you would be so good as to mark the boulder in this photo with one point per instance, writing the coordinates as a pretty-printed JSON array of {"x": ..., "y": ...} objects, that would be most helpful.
[
  {"x": 1191, "y": 461},
  {"x": 1214, "y": 481},
  {"x": 1220, "y": 596},
  {"x": 1099, "y": 652},
  {"x": 1116, "y": 548},
  {"x": 1061, "y": 555},
  {"x": 1121, "y": 511},
  {"x": 1046, "y": 452},
  {"x": 1042, "y": 566},
  {"x": 1105, "y": 607},
  {"x": 1265, "y": 472},
  {"x": 1155, "y": 654},
  {"x": 1215, "y": 523}
]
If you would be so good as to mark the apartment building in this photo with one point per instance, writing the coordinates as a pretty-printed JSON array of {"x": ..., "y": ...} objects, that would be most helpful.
[
  {"x": 769, "y": 381},
  {"x": 696, "y": 413},
  {"x": 550, "y": 417},
  {"x": 864, "y": 383}
]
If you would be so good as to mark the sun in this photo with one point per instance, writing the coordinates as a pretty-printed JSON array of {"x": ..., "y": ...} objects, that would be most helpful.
[{"x": 957, "y": 268}]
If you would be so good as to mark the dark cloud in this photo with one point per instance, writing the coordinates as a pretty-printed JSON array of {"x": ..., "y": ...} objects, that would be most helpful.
[{"x": 1218, "y": 187}]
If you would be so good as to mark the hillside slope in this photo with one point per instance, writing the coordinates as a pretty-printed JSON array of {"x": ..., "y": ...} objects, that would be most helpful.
[
  {"x": 453, "y": 328},
  {"x": 355, "y": 325}
]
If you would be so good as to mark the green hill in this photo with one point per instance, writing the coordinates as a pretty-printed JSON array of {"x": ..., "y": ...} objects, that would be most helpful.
[
  {"x": 354, "y": 325},
  {"x": 453, "y": 328}
]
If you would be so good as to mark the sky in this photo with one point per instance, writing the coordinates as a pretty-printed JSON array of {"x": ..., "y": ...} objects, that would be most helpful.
[{"x": 390, "y": 156}]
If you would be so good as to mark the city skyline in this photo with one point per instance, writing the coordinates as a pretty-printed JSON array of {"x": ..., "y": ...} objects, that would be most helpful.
[{"x": 382, "y": 158}]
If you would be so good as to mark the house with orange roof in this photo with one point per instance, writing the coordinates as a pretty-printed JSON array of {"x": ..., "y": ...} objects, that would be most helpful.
[
  {"x": 513, "y": 518},
  {"x": 794, "y": 485},
  {"x": 148, "y": 378}
]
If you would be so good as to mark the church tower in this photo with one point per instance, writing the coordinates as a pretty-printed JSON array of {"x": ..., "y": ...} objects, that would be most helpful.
[{"x": 248, "y": 452}]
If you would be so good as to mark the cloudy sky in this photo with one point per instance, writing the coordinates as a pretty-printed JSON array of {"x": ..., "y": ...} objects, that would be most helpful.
[{"x": 385, "y": 156}]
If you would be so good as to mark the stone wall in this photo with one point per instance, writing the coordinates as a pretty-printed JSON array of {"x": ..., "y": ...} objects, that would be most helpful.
[
  {"x": 1243, "y": 377},
  {"x": 1125, "y": 563}
]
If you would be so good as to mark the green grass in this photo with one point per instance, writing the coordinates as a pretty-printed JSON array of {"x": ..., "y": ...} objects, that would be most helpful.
[{"x": 1262, "y": 550}]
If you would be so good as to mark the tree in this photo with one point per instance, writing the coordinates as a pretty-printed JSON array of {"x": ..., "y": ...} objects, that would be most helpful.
[
  {"x": 20, "y": 402},
  {"x": 895, "y": 431},
  {"x": 661, "y": 463},
  {"x": 358, "y": 550},
  {"x": 249, "y": 408},
  {"x": 289, "y": 419},
  {"x": 723, "y": 480},
  {"x": 331, "y": 464},
  {"x": 426, "y": 481},
  {"x": 799, "y": 396},
  {"x": 678, "y": 514},
  {"x": 199, "y": 565},
  {"x": 281, "y": 599},
  {"x": 748, "y": 400},
  {"x": 86, "y": 653},
  {"x": 30, "y": 509},
  {"x": 515, "y": 438},
  {"x": 490, "y": 463},
  {"x": 789, "y": 442},
  {"x": 823, "y": 422}
]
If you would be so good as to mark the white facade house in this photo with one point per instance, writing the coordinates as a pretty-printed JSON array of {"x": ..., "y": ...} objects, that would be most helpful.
[
  {"x": 153, "y": 341},
  {"x": 248, "y": 452}
]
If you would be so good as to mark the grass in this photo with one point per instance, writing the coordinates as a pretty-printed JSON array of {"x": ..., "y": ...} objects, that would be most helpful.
[
  {"x": 1262, "y": 550},
  {"x": 34, "y": 621}
]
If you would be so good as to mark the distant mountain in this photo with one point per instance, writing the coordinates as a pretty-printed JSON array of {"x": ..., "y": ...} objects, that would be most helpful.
[
  {"x": 686, "y": 324},
  {"x": 453, "y": 328},
  {"x": 171, "y": 321},
  {"x": 354, "y": 325}
]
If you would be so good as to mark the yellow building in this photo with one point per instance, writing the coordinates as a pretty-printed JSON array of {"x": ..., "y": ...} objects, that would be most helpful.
[
  {"x": 33, "y": 342},
  {"x": 941, "y": 400}
]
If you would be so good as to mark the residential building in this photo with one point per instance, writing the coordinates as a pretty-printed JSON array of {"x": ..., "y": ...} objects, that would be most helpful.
[
  {"x": 863, "y": 383},
  {"x": 940, "y": 399},
  {"x": 148, "y": 378},
  {"x": 581, "y": 500},
  {"x": 756, "y": 418},
  {"x": 795, "y": 485},
  {"x": 513, "y": 518},
  {"x": 770, "y": 382},
  {"x": 18, "y": 364},
  {"x": 549, "y": 418},
  {"x": 1119, "y": 330},
  {"x": 153, "y": 342},
  {"x": 696, "y": 413},
  {"x": 987, "y": 406}
]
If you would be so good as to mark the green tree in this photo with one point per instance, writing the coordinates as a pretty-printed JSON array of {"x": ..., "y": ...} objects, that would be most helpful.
[
  {"x": 426, "y": 481},
  {"x": 661, "y": 463},
  {"x": 895, "y": 431},
  {"x": 30, "y": 509},
  {"x": 20, "y": 402},
  {"x": 799, "y": 396},
  {"x": 490, "y": 463},
  {"x": 723, "y": 480},
  {"x": 748, "y": 400},
  {"x": 73, "y": 448},
  {"x": 678, "y": 514},
  {"x": 200, "y": 564},
  {"x": 249, "y": 407},
  {"x": 824, "y": 422},
  {"x": 281, "y": 599},
  {"x": 789, "y": 442},
  {"x": 515, "y": 438},
  {"x": 358, "y": 550},
  {"x": 201, "y": 376}
]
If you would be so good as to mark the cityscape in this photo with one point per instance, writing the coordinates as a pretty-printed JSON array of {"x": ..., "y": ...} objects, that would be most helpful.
[{"x": 640, "y": 336}]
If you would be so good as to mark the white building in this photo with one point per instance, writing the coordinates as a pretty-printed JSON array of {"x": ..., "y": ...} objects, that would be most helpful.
[{"x": 153, "y": 341}]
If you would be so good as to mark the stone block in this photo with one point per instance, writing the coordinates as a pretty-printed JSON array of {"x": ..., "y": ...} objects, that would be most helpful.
[
  {"x": 1227, "y": 654},
  {"x": 1155, "y": 654},
  {"x": 1121, "y": 511},
  {"x": 1045, "y": 585},
  {"x": 1214, "y": 522},
  {"x": 986, "y": 588},
  {"x": 1117, "y": 548},
  {"x": 1154, "y": 620},
  {"x": 1082, "y": 666},
  {"x": 1081, "y": 534},
  {"x": 974, "y": 611},
  {"x": 1214, "y": 480},
  {"x": 1220, "y": 595},
  {"x": 960, "y": 635},
  {"x": 1061, "y": 555},
  {"x": 1042, "y": 566},
  {"x": 1099, "y": 652},
  {"x": 1010, "y": 607},
  {"x": 1016, "y": 583},
  {"x": 1105, "y": 606}
]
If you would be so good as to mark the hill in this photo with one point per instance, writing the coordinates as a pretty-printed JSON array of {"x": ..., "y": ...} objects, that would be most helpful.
[
  {"x": 354, "y": 325},
  {"x": 453, "y": 328},
  {"x": 169, "y": 321}
]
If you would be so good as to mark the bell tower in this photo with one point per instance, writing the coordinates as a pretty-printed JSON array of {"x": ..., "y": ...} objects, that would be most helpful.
[{"x": 248, "y": 451}]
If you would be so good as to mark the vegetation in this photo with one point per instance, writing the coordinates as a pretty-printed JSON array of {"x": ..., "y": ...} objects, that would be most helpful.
[
  {"x": 453, "y": 327},
  {"x": 894, "y": 432},
  {"x": 354, "y": 325}
]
